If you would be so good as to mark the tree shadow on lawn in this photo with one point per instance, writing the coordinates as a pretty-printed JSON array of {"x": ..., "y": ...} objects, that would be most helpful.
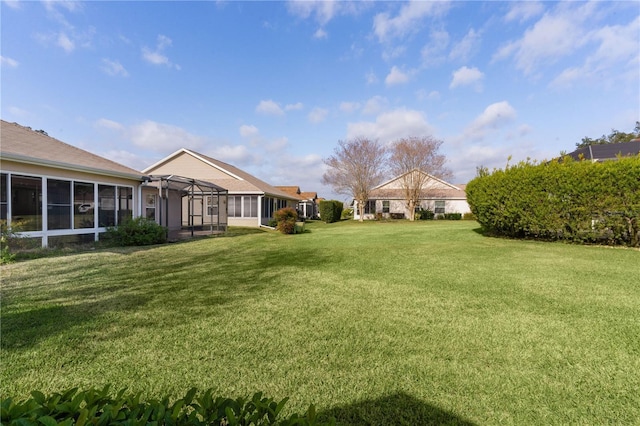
[
  {"x": 396, "y": 409},
  {"x": 188, "y": 286},
  {"x": 24, "y": 329}
]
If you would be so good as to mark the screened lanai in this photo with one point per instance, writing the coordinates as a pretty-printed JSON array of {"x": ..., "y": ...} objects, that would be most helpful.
[{"x": 184, "y": 205}]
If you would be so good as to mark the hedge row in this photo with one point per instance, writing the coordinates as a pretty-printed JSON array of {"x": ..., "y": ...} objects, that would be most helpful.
[
  {"x": 330, "y": 210},
  {"x": 577, "y": 201},
  {"x": 100, "y": 407}
]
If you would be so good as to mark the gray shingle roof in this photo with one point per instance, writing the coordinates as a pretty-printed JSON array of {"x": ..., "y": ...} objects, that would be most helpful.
[
  {"x": 607, "y": 151},
  {"x": 19, "y": 143}
]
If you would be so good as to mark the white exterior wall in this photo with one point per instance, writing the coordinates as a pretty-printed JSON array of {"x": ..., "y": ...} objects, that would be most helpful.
[{"x": 45, "y": 173}]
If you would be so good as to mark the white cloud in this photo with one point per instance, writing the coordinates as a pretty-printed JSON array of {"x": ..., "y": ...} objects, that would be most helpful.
[
  {"x": 396, "y": 76},
  {"x": 249, "y": 131},
  {"x": 371, "y": 78},
  {"x": 494, "y": 117},
  {"x": 5, "y": 61},
  {"x": 320, "y": 34},
  {"x": 392, "y": 125},
  {"x": 465, "y": 48},
  {"x": 234, "y": 154},
  {"x": 556, "y": 35},
  {"x": 114, "y": 68},
  {"x": 126, "y": 158},
  {"x": 294, "y": 107},
  {"x": 523, "y": 10},
  {"x": 163, "y": 137},
  {"x": 13, "y": 4},
  {"x": 153, "y": 57},
  {"x": 375, "y": 105},
  {"x": 65, "y": 42},
  {"x": 18, "y": 112},
  {"x": 423, "y": 95},
  {"x": 277, "y": 145},
  {"x": 322, "y": 10},
  {"x": 269, "y": 107},
  {"x": 109, "y": 124},
  {"x": 616, "y": 53},
  {"x": 318, "y": 115},
  {"x": 433, "y": 53},
  {"x": 349, "y": 107},
  {"x": 157, "y": 56},
  {"x": 407, "y": 20},
  {"x": 467, "y": 76}
]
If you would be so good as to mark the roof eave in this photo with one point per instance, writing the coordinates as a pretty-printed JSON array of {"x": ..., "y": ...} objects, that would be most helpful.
[{"x": 67, "y": 166}]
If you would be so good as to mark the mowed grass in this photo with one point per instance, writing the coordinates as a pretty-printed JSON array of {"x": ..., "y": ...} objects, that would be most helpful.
[{"x": 374, "y": 323}]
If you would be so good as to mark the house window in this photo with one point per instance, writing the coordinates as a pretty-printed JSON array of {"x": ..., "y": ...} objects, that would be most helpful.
[
  {"x": 370, "y": 207},
  {"x": 106, "y": 205},
  {"x": 125, "y": 204},
  {"x": 250, "y": 206},
  {"x": 3, "y": 196},
  {"x": 212, "y": 206},
  {"x": 150, "y": 207},
  {"x": 235, "y": 206},
  {"x": 58, "y": 204},
  {"x": 385, "y": 206},
  {"x": 83, "y": 205},
  {"x": 439, "y": 207},
  {"x": 26, "y": 202}
]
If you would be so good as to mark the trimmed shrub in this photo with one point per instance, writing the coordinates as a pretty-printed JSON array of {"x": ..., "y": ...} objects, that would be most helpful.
[
  {"x": 347, "y": 214},
  {"x": 425, "y": 215},
  {"x": 453, "y": 216},
  {"x": 137, "y": 232},
  {"x": 577, "y": 201},
  {"x": 469, "y": 216},
  {"x": 286, "y": 219},
  {"x": 330, "y": 210},
  {"x": 100, "y": 407}
]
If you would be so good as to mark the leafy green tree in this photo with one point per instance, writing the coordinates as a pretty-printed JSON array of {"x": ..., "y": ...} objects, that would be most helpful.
[{"x": 614, "y": 137}]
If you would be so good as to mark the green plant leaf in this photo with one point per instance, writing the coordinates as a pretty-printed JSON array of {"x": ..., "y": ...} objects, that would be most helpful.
[{"x": 48, "y": 421}]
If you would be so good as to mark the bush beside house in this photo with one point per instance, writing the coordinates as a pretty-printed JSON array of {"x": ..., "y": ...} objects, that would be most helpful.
[{"x": 286, "y": 219}]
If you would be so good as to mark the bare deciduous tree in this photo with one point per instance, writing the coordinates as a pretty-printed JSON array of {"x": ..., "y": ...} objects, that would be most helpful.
[
  {"x": 415, "y": 159},
  {"x": 356, "y": 166}
]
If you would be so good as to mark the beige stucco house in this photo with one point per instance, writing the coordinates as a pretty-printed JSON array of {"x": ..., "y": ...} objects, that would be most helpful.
[
  {"x": 307, "y": 201},
  {"x": 437, "y": 195},
  {"x": 251, "y": 201},
  {"x": 56, "y": 194}
]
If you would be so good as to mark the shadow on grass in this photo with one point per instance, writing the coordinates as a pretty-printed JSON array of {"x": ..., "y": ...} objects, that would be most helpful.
[
  {"x": 197, "y": 284},
  {"x": 25, "y": 329},
  {"x": 396, "y": 409}
]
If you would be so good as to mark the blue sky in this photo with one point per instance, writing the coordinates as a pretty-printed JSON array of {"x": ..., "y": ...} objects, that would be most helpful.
[{"x": 271, "y": 87}]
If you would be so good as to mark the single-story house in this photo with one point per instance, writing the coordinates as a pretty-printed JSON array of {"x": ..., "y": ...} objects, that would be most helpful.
[
  {"x": 437, "y": 195},
  {"x": 251, "y": 201},
  {"x": 56, "y": 194},
  {"x": 307, "y": 201}
]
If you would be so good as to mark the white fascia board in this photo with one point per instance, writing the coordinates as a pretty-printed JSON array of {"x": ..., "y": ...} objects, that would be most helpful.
[{"x": 70, "y": 167}]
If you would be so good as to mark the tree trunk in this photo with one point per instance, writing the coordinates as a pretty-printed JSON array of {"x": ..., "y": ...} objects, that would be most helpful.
[{"x": 412, "y": 210}]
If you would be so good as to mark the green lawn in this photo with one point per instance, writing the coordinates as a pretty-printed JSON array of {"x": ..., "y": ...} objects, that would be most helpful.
[{"x": 374, "y": 323}]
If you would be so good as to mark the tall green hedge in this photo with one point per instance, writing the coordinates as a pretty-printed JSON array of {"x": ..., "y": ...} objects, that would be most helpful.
[
  {"x": 569, "y": 200},
  {"x": 330, "y": 210}
]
